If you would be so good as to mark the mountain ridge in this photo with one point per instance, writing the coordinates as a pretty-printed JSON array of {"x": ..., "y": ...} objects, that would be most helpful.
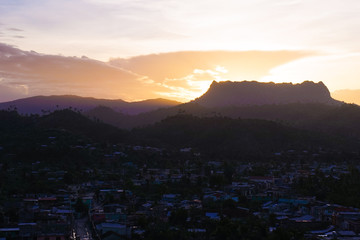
[
  {"x": 39, "y": 104},
  {"x": 219, "y": 94},
  {"x": 228, "y": 93},
  {"x": 321, "y": 112}
]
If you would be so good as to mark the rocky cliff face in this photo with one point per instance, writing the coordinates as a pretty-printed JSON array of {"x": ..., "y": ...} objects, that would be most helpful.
[{"x": 256, "y": 93}]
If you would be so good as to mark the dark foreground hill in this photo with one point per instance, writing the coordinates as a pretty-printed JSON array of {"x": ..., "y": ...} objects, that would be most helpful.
[
  {"x": 331, "y": 119},
  {"x": 15, "y": 127},
  {"x": 222, "y": 136},
  {"x": 215, "y": 136}
]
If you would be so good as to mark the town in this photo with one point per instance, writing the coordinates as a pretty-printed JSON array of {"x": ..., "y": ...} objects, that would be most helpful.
[{"x": 117, "y": 191}]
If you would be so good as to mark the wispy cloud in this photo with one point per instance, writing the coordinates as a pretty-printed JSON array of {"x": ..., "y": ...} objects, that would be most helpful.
[
  {"x": 15, "y": 29},
  {"x": 134, "y": 27}
]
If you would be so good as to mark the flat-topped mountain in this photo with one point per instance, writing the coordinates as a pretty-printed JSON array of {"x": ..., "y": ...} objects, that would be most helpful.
[
  {"x": 247, "y": 93},
  {"x": 38, "y": 104}
]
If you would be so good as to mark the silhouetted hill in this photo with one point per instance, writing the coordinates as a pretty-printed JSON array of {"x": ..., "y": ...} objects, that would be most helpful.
[
  {"x": 332, "y": 119},
  {"x": 216, "y": 136},
  {"x": 224, "y": 136},
  {"x": 29, "y": 128},
  {"x": 78, "y": 124},
  {"x": 322, "y": 115},
  {"x": 107, "y": 115},
  {"x": 295, "y": 104},
  {"x": 39, "y": 104},
  {"x": 343, "y": 120},
  {"x": 11, "y": 121},
  {"x": 255, "y": 93}
]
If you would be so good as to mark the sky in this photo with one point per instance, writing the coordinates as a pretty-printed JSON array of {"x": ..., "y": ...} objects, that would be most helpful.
[{"x": 137, "y": 49}]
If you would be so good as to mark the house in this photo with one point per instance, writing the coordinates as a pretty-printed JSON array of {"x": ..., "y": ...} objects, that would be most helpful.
[
  {"x": 212, "y": 215},
  {"x": 170, "y": 198},
  {"x": 354, "y": 225},
  {"x": 303, "y": 219},
  {"x": 118, "y": 229},
  {"x": 110, "y": 235},
  {"x": 28, "y": 230},
  {"x": 9, "y": 233},
  {"x": 187, "y": 204},
  {"x": 244, "y": 189},
  {"x": 54, "y": 232},
  {"x": 263, "y": 182}
]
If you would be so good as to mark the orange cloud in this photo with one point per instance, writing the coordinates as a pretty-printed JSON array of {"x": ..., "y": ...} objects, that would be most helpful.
[
  {"x": 51, "y": 74},
  {"x": 179, "y": 75},
  {"x": 243, "y": 64},
  {"x": 188, "y": 72}
]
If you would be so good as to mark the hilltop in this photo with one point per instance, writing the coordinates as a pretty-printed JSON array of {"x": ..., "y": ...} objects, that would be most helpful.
[{"x": 248, "y": 93}]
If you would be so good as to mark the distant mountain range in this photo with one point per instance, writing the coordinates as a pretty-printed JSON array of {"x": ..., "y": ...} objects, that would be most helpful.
[
  {"x": 307, "y": 106},
  {"x": 287, "y": 102},
  {"x": 39, "y": 104},
  {"x": 313, "y": 109},
  {"x": 234, "y": 119},
  {"x": 222, "y": 94}
]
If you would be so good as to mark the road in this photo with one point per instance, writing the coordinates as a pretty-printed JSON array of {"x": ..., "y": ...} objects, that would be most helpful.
[{"x": 82, "y": 229}]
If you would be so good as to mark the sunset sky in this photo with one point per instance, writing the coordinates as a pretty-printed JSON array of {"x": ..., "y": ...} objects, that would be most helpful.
[{"x": 137, "y": 49}]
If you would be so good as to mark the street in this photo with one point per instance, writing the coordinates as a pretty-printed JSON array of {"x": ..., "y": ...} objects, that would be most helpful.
[{"x": 82, "y": 229}]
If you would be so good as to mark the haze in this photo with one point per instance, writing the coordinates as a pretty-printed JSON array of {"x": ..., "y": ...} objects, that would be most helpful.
[{"x": 173, "y": 49}]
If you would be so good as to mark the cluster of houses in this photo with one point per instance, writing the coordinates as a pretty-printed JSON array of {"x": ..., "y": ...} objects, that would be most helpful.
[
  {"x": 278, "y": 203},
  {"x": 114, "y": 211},
  {"x": 38, "y": 217}
]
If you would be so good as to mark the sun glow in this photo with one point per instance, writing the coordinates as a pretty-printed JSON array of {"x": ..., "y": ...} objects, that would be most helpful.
[{"x": 195, "y": 84}]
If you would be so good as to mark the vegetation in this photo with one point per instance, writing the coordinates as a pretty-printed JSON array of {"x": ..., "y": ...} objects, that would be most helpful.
[
  {"x": 343, "y": 190},
  {"x": 42, "y": 154}
]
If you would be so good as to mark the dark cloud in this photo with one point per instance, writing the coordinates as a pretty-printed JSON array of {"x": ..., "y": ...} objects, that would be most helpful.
[
  {"x": 15, "y": 29},
  {"x": 43, "y": 74},
  {"x": 9, "y": 50},
  {"x": 8, "y": 33}
]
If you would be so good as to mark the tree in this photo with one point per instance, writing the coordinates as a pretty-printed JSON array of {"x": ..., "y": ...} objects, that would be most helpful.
[
  {"x": 80, "y": 206},
  {"x": 178, "y": 217}
]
